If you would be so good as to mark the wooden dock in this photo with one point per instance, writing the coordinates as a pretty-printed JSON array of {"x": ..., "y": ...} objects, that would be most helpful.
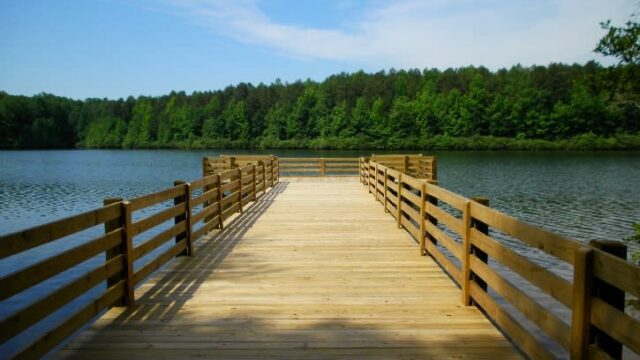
[
  {"x": 388, "y": 264},
  {"x": 298, "y": 275}
]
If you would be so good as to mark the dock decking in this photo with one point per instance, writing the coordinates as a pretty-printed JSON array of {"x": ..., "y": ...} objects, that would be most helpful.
[{"x": 313, "y": 269}]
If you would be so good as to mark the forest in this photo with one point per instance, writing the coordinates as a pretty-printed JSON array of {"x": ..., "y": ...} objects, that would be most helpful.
[{"x": 554, "y": 107}]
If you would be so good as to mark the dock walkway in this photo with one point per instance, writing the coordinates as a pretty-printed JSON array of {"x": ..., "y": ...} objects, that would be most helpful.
[{"x": 313, "y": 269}]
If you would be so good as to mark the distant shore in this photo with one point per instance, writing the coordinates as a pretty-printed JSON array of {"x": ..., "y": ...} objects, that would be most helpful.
[{"x": 585, "y": 142}]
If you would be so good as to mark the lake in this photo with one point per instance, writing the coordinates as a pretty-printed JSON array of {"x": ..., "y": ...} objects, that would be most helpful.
[{"x": 583, "y": 195}]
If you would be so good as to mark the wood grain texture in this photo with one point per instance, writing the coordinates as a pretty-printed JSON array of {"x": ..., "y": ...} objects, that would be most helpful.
[{"x": 300, "y": 274}]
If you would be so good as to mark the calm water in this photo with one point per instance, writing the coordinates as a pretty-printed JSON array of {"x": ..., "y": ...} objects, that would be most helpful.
[{"x": 581, "y": 195}]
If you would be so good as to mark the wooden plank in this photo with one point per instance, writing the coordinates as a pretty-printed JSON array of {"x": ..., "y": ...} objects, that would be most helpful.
[
  {"x": 409, "y": 227},
  {"x": 298, "y": 279},
  {"x": 341, "y": 170},
  {"x": 548, "y": 282},
  {"x": 36, "y": 311},
  {"x": 288, "y": 166},
  {"x": 615, "y": 323},
  {"x": 156, "y": 263},
  {"x": 210, "y": 180},
  {"x": 416, "y": 184},
  {"x": 538, "y": 314},
  {"x": 157, "y": 197},
  {"x": 231, "y": 198},
  {"x": 159, "y": 239},
  {"x": 330, "y": 163},
  {"x": 212, "y": 209},
  {"x": 230, "y": 211},
  {"x": 446, "y": 196},
  {"x": 581, "y": 309},
  {"x": 392, "y": 199},
  {"x": 247, "y": 199},
  {"x": 156, "y": 219},
  {"x": 527, "y": 342},
  {"x": 230, "y": 186},
  {"x": 392, "y": 185},
  {"x": 444, "y": 262},
  {"x": 34, "y": 274},
  {"x": 556, "y": 245},
  {"x": 393, "y": 173},
  {"x": 617, "y": 272},
  {"x": 453, "y": 223},
  {"x": 227, "y": 175},
  {"x": 27, "y": 239},
  {"x": 43, "y": 345},
  {"x": 204, "y": 197},
  {"x": 411, "y": 197},
  {"x": 413, "y": 214},
  {"x": 300, "y": 170},
  {"x": 454, "y": 247},
  {"x": 390, "y": 207},
  {"x": 212, "y": 223},
  {"x": 246, "y": 189}
]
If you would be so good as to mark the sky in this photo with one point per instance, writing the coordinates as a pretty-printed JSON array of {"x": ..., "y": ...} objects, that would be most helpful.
[{"x": 117, "y": 48}]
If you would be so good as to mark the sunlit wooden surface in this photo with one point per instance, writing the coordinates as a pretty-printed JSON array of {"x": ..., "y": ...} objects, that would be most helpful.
[{"x": 314, "y": 269}]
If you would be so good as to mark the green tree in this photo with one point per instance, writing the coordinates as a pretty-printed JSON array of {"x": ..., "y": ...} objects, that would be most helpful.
[{"x": 621, "y": 42}]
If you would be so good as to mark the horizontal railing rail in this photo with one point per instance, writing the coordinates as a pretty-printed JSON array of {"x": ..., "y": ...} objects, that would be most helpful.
[
  {"x": 462, "y": 234},
  {"x": 137, "y": 240},
  {"x": 416, "y": 165},
  {"x": 213, "y": 165},
  {"x": 319, "y": 166}
]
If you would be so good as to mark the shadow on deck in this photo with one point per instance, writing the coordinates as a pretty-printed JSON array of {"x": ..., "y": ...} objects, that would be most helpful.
[{"x": 298, "y": 277}]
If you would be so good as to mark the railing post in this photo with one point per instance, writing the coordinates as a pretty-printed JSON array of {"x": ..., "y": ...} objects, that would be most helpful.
[
  {"x": 254, "y": 182},
  {"x": 399, "y": 202},
  {"x": 232, "y": 162},
  {"x": 433, "y": 201},
  {"x": 369, "y": 183},
  {"x": 405, "y": 165},
  {"x": 220, "y": 224},
  {"x": 375, "y": 187},
  {"x": 609, "y": 294},
  {"x": 264, "y": 177},
  {"x": 481, "y": 255},
  {"x": 180, "y": 199},
  {"x": 466, "y": 255},
  {"x": 581, "y": 309},
  {"x": 434, "y": 169},
  {"x": 385, "y": 190},
  {"x": 271, "y": 170},
  {"x": 110, "y": 226},
  {"x": 240, "y": 189},
  {"x": 423, "y": 205},
  {"x": 323, "y": 169},
  {"x": 129, "y": 297}
]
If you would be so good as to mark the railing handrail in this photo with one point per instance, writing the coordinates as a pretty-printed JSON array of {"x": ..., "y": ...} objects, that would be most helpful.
[
  {"x": 223, "y": 194},
  {"x": 414, "y": 203}
]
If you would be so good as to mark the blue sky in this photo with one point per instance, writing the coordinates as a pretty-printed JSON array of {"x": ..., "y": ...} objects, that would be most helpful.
[{"x": 117, "y": 48}]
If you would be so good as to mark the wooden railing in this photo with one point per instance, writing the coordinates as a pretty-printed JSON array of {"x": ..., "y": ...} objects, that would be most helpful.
[
  {"x": 212, "y": 165},
  {"x": 463, "y": 234},
  {"x": 191, "y": 208},
  {"x": 416, "y": 165},
  {"x": 319, "y": 166}
]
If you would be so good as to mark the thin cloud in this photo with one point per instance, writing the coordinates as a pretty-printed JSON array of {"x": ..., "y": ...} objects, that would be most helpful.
[{"x": 435, "y": 33}]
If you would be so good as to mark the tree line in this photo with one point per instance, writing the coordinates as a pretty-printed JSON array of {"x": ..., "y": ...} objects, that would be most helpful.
[{"x": 554, "y": 106}]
